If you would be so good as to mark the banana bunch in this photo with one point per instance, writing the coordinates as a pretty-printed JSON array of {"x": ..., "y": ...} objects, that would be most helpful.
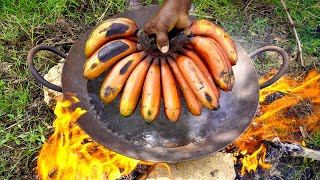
[{"x": 200, "y": 67}]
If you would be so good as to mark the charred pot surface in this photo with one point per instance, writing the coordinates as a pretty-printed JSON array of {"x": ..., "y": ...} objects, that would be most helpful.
[{"x": 149, "y": 44}]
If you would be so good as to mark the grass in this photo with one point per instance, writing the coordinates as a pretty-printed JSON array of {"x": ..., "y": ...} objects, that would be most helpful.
[
  {"x": 257, "y": 24},
  {"x": 314, "y": 141},
  {"x": 26, "y": 120},
  {"x": 297, "y": 168}
]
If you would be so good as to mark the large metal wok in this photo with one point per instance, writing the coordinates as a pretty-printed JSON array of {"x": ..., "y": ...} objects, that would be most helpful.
[{"x": 190, "y": 138}]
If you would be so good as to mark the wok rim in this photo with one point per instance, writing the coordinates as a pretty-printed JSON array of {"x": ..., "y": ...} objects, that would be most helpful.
[{"x": 92, "y": 125}]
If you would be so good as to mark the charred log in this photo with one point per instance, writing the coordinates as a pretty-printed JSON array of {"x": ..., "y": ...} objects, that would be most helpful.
[{"x": 290, "y": 149}]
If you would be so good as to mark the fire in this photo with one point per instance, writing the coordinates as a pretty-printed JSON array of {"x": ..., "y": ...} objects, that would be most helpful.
[
  {"x": 251, "y": 162},
  {"x": 298, "y": 107},
  {"x": 71, "y": 154}
]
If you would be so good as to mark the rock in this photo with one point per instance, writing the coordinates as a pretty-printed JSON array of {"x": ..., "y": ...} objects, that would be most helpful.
[
  {"x": 54, "y": 77},
  {"x": 219, "y": 166}
]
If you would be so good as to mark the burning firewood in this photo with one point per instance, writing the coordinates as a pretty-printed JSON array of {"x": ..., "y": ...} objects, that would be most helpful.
[
  {"x": 290, "y": 111},
  {"x": 71, "y": 153},
  {"x": 286, "y": 108},
  {"x": 290, "y": 149}
]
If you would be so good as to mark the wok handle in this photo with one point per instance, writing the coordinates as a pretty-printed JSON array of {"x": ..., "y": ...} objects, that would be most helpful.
[
  {"x": 283, "y": 68},
  {"x": 35, "y": 72}
]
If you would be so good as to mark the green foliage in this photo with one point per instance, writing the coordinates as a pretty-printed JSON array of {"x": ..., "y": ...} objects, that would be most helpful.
[
  {"x": 306, "y": 16},
  {"x": 224, "y": 10},
  {"x": 25, "y": 119},
  {"x": 21, "y": 17},
  {"x": 314, "y": 141},
  {"x": 251, "y": 22}
]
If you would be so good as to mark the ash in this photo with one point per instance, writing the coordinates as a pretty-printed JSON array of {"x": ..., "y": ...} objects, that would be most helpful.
[{"x": 272, "y": 97}]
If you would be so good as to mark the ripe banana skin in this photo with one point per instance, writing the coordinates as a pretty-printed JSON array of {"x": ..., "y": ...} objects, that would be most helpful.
[
  {"x": 207, "y": 28},
  {"x": 209, "y": 52},
  {"x": 197, "y": 82},
  {"x": 133, "y": 87},
  {"x": 106, "y": 56},
  {"x": 171, "y": 97},
  {"x": 198, "y": 61},
  {"x": 188, "y": 46},
  {"x": 151, "y": 93},
  {"x": 109, "y": 30},
  {"x": 193, "y": 104},
  {"x": 227, "y": 63},
  {"x": 118, "y": 75}
]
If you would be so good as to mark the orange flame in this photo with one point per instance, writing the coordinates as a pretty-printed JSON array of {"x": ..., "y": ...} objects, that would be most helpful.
[
  {"x": 71, "y": 154},
  {"x": 280, "y": 119},
  {"x": 251, "y": 162}
]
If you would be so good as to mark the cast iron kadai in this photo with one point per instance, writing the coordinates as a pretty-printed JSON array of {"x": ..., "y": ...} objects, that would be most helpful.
[{"x": 161, "y": 141}]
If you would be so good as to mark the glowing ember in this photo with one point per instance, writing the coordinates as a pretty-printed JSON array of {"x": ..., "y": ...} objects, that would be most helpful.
[
  {"x": 71, "y": 154},
  {"x": 281, "y": 119}
]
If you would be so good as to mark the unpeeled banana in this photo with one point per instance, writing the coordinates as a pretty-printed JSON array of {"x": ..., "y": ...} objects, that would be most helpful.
[{"x": 200, "y": 64}]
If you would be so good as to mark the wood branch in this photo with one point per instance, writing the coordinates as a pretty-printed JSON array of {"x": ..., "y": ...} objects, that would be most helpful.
[
  {"x": 63, "y": 42},
  {"x": 303, "y": 132},
  {"x": 295, "y": 34},
  {"x": 296, "y": 150},
  {"x": 67, "y": 25},
  {"x": 245, "y": 8}
]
